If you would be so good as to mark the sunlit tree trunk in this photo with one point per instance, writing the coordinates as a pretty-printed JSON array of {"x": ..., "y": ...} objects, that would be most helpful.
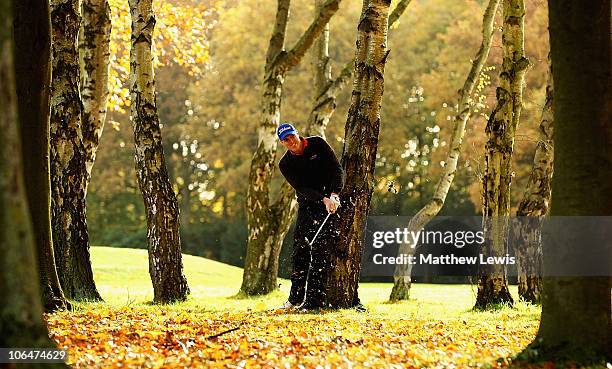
[
  {"x": 68, "y": 156},
  {"x": 358, "y": 157},
  {"x": 401, "y": 286},
  {"x": 94, "y": 53},
  {"x": 32, "y": 35},
  {"x": 269, "y": 222},
  {"x": 501, "y": 130},
  {"x": 534, "y": 206},
  {"x": 576, "y": 310},
  {"x": 21, "y": 323},
  {"x": 165, "y": 260}
]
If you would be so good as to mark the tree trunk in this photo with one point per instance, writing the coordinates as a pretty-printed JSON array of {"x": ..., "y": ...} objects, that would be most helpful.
[
  {"x": 500, "y": 130},
  {"x": 402, "y": 281},
  {"x": 324, "y": 105},
  {"x": 576, "y": 310},
  {"x": 358, "y": 157},
  {"x": 33, "y": 75},
  {"x": 69, "y": 223},
  {"x": 94, "y": 47},
  {"x": 326, "y": 90},
  {"x": 534, "y": 207},
  {"x": 268, "y": 223},
  {"x": 165, "y": 260},
  {"x": 21, "y": 323},
  {"x": 321, "y": 67}
]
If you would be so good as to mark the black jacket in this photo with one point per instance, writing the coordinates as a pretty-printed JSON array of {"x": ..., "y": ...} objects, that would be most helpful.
[{"x": 314, "y": 174}]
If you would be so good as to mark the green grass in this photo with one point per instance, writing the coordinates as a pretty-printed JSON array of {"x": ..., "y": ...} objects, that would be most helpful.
[{"x": 122, "y": 278}]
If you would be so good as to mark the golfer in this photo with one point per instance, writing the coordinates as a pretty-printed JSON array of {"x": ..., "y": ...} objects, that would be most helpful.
[{"x": 312, "y": 169}]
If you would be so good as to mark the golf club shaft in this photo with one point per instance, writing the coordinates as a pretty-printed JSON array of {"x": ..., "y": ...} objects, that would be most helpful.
[{"x": 316, "y": 234}]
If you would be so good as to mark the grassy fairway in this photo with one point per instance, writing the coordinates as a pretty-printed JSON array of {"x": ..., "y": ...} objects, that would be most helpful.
[
  {"x": 435, "y": 329},
  {"x": 122, "y": 278}
]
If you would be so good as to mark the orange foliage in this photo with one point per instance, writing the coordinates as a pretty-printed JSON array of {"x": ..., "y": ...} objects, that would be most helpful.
[{"x": 169, "y": 338}]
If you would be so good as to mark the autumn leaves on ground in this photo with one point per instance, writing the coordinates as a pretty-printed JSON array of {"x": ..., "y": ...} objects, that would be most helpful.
[{"x": 214, "y": 328}]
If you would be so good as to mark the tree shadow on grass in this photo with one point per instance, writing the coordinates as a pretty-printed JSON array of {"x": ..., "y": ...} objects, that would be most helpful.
[{"x": 538, "y": 356}]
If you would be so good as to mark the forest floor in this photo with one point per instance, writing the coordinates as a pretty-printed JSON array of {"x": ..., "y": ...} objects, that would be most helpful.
[{"x": 436, "y": 328}]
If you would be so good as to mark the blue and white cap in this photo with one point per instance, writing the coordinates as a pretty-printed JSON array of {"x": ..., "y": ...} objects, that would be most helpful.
[{"x": 285, "y": 129}]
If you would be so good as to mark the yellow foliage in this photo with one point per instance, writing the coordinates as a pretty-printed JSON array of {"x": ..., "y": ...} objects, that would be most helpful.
[
  {"x": 217, "y": 207},
  {"x": 218, "y": 164},
  {"x": 166, "y": 338},
  {"x": 179, "y": 37}
]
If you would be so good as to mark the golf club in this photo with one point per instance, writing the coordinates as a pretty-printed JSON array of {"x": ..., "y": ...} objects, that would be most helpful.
[
  {"x": 336, "y": 199},
  {"x": 321, "y": 227},
  {"x": 310, "y": 244}
]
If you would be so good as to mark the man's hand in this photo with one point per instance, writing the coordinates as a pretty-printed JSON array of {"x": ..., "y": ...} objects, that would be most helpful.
[
  {"x": 332, "y": 203},
  {"x": 329, "y": 205}
]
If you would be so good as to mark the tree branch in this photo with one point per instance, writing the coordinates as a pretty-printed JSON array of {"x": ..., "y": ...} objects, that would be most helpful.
[
  {"x": 277, "y": 41},
  {"x": 398, "y": 11},
  {"x": 295, "y": 55},
  {"x": 347, "y": 72}
]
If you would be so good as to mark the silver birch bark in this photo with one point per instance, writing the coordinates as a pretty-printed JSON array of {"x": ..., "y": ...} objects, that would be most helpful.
[
  {"x": 165, "y": 259},
  {"x": 21, "y": 322},
  {"x": 269, "y": 222},
  {"x": 576, "y": 316},
  {"x": 94, "y": 53},
  {"x": 326, "y": 89},
  {"x": 32, "y": 36},
  {"x": 500, "y": 130},
  {"x": 69, "y": 223},
  {"x": 534, "y": 206},
  {"x": 401, "y": 286},
  {"x": 359, "y": 154}
]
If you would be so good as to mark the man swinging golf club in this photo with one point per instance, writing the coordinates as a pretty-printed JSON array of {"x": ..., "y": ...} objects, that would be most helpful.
[{"x": 312, "y": 169}]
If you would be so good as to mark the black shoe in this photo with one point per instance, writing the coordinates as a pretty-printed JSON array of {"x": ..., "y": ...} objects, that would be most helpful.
[{"x": 360, "y": 308}]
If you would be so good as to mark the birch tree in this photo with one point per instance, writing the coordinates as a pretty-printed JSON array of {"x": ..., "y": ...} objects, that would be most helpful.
[
  {"x": 269, "y": 222},
  {"x": 501, "y": 128},
  {"x": 21, "y": 323},
  {"x": 325, "y": 92},
  {"x": 402, "y": 282},
  {"x": 32, "y": 35},
  {"x": 165, "y": 259},
  {"x": 534, "y": 206},
  {"x": 68, "y": 182},
  {"x": 576, "y": 310},
  {"x": 359, "y": 154},
  {"x": 94, "y": 54},
  {"x": 326, "y": 89}
]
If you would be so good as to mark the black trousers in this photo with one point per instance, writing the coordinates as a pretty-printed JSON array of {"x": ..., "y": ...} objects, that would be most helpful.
[{"x": 311, "y": 263}]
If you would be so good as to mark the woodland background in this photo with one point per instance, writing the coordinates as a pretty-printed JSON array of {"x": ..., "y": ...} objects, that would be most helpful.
[{"x": 208, "y": 81}]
